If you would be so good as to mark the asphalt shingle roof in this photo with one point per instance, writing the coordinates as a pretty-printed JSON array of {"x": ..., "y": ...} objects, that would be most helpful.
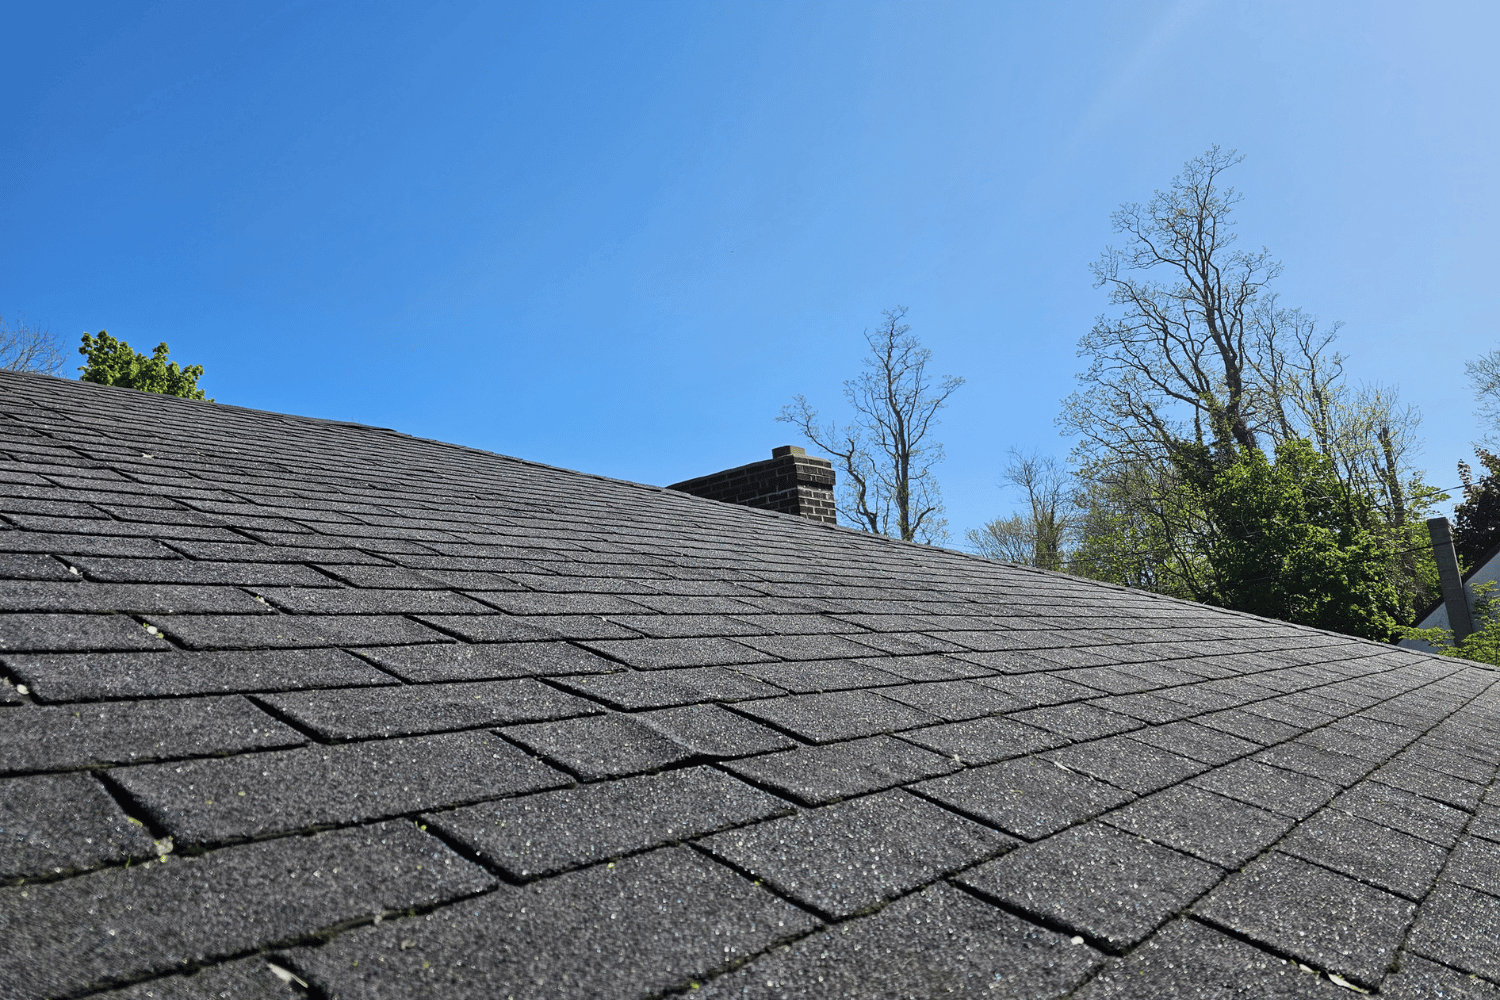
[{"x": 288, "y": 701}]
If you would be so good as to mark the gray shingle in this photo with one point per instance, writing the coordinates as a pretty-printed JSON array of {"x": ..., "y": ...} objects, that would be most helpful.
[
  {"x": 1404, "y": 811},
  {"x": 145, "y": 598},
  {"x": 844, "y": 858},
  {"x": 67, "y": 936},
  {"x": 1128, "y": 763},
  {"x": 63, "y": 823},
  {"x": 1325, "y": 920},
  {"x": 426, "y": 664},
  {"x": 815, "y": 676},
  {"x": 1486, "y": 823},
  {"x": 1030, "y": 798},
  {"x": 89, "y": 676},
  {"x": 983, "y": 741},
  {"x": 493, "y": 627},
  {"x": 955, "y": 701},
  {"x": 1431, "y": 784},
  {"x": 930, "y": 667},
  {"x": 119, "y": 732},
  {"x": 654, "y": 654},
  {"x": 817, "y": 775},
  {"x": 428, "y": 708},
  {"x": 1419, "y": 979},
  {"x": 1197, "y": 742},
  {"x": 244, "y": 979},
  {"x": 644, "y": 925},
  {"x": 939, "y": 941},
  {"x": 78, "y": 545},
  {"x": 323, "y": 601},
  {"x": 1187, "y": 961},
  {"x": 907, "y": 643},
  {"x": 421, "y": 574},
  {"x": 292, "y": 631},
  {"x": 1145, "y": 707},
  {"x": 1209, "y": 826},
  {"x": 605, "y": 746},
  {"x": 843, "y": 715},
  {"x": 1247, "y": 726},
  {"x": 1038, "y": 689},
  {"x": 1460, "y": 928},
  {"x": 1475, "y": 865},
  {"x": 711, "y": 731},
  {"x": 807, "y": 647},
  {"x": 634, "y": 689},
  {"x": 235, "y": 798},
  {"x": 543, "y": 834},
  {"x": 575, "y": 627},
  {"x": 384, "y": 577},
  {"x": 241, "y": 551},
  {"x": 1379, "y": 855},
  {"x": 1101, "y": 883},
  {"x": 1077, "y": 721},
  {"x": 33, "y": 567},
  {"x": 26, "y": 633},
  {"x": 1284, "y": 792}
]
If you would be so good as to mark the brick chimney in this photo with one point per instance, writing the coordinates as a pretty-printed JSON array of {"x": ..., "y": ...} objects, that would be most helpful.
[{"x": 791, "y": 482}]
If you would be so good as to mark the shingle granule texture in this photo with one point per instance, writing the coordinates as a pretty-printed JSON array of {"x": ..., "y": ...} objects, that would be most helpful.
[{"x": 292, "y": 701}]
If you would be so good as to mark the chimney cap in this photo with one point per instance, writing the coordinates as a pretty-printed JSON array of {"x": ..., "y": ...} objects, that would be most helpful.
[{"x": 788, "y": 449}]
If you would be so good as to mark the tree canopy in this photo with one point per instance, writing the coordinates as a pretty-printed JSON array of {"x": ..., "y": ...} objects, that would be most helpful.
[
  {"x": 1476, "y": 520},
  {"x": 1290, "y": 540},
  {"x": 1196, "y": 377},
  {"x": 112, "y": 362}
]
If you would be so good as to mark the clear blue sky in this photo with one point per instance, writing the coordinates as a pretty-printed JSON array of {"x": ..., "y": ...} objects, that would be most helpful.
[{"x": 618, "y": 237}]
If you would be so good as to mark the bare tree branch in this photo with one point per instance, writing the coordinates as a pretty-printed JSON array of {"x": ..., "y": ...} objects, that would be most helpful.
[
  {"x": 27, "y": 348},
  {"x": 888, "y": 485}
]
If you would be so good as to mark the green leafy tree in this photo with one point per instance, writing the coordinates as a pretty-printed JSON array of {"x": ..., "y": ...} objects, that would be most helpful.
[
  {"x": 112, "y": 362},
  {"x": 1290, "y": 540},
  {"x": 1476, "y": 526},
  {"x": 1482, "y": 645}
]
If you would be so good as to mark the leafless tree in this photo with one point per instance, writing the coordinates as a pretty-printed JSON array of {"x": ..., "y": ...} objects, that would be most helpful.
[
  {"x": 1484, "y": 379},
  {"x": 1177, "y": 364},
  {"x": 1008, "y": 539},
  {"x": 887, "y": 483},
  {"x": 1039, "y": 536},
  {"x": 28, "y": 348}
]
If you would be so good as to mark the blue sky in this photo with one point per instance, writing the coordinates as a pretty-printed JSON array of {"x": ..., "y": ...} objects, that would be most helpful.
[{"x": 618, "y": 237}]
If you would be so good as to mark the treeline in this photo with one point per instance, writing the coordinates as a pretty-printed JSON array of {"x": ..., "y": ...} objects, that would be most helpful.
[{"x": 1222, "y": 454}]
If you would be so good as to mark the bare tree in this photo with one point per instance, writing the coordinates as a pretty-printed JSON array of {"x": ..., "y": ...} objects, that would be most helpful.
[
  {"x": 887, "y": 483},
  {"x": 1040, "y": 536},
  {"x": 1008, "y": 539},
  {"x": 27, "y": 348},
  {"x": 1484, "y": 379},
  {"x": 1177, "y": 365}
]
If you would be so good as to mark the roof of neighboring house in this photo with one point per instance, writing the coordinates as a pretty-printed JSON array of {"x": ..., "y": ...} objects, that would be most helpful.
[
  {"x": 295, "y": 701},
  {"x": 1469, "y": 574}
]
